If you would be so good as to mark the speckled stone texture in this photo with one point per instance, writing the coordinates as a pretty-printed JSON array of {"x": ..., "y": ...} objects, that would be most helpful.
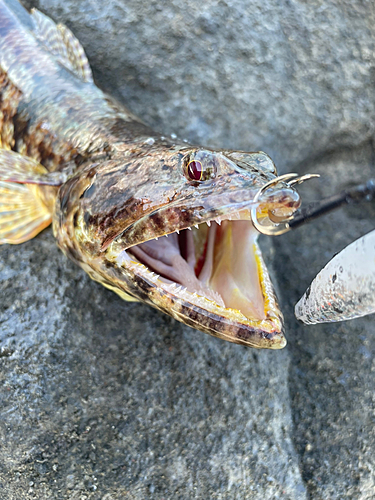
[{"x": 101, "y": 399}]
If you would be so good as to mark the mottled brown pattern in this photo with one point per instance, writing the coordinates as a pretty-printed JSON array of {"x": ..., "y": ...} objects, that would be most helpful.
[
  {"x": 10, "y": 97},
  {"x": 35, "y": 140},
  {"x": 39, "y": 143},
  {"x": 127, "y": 184}
]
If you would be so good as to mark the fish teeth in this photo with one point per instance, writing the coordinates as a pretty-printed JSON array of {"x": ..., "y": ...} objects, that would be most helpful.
[
  {"x": 218, "y": 221},
  {"x": 208, "y": 223},
  {"x": 189, "y": 228},
  {"x": 196, "y": 225},
  {"x": 177, "y": 231},
  {"x": 150, "y": 141}
]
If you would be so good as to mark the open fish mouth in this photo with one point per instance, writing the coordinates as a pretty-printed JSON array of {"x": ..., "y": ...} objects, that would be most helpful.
[{"x": 211, "y": 276}]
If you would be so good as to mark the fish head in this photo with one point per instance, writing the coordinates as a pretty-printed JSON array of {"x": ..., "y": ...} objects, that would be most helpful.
[{"x": 172, "y": 227}]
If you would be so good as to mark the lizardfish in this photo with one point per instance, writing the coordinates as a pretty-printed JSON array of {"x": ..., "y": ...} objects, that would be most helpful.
[{"x": 153, "y": 219}]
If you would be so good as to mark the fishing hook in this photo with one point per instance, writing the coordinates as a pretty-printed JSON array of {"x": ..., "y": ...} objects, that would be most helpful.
[{"x": 278, "y": 225}]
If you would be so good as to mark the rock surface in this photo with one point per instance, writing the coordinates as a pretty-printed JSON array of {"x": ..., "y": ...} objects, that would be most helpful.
[{"x": 101, "y": 399}]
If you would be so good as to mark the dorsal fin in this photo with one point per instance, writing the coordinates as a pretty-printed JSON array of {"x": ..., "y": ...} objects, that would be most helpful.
[{"x": 60, "y": 41}]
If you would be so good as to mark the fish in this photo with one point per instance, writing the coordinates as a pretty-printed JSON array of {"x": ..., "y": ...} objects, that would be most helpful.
[{"x": 152, "y": 218}]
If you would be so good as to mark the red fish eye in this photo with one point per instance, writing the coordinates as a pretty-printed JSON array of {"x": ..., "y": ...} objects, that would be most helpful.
[{"x": 195, "y": 170}]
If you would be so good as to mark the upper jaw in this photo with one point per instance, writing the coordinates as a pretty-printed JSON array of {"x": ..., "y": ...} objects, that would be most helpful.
[
  {"x": 185, "y": 214},
  {"x": 229, "y": 197}
]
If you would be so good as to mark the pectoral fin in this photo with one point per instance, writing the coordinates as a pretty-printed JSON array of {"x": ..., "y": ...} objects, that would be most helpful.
[
  {"x": 24, "y": 170},
  {"x": 27, "y": 194}
]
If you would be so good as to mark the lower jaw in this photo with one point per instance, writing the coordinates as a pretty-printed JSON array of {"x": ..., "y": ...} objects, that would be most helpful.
[
  {"x": 132, "y": 280},
  {"x": 197, "y": 312}
]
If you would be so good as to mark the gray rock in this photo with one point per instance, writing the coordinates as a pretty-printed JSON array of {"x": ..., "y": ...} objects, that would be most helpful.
[
  {"x": 332, "y": 370},
  {"x": 102, "y": 399}
]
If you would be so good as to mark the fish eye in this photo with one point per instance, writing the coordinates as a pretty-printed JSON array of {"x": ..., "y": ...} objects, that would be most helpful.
[
  {"x": 195, "y": 170},
  {"x": 200, "y": 166}
]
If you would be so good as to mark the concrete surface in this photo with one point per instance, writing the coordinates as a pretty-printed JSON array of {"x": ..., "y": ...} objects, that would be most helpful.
[{"x": 101, "y": 399}]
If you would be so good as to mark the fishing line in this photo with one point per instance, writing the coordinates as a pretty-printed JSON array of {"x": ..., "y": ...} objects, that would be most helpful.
[{"x": 355, "y": 195}]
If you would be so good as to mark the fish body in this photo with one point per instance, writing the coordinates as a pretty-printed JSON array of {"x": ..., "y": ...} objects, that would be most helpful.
[{"x": 153, "y": 219}]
